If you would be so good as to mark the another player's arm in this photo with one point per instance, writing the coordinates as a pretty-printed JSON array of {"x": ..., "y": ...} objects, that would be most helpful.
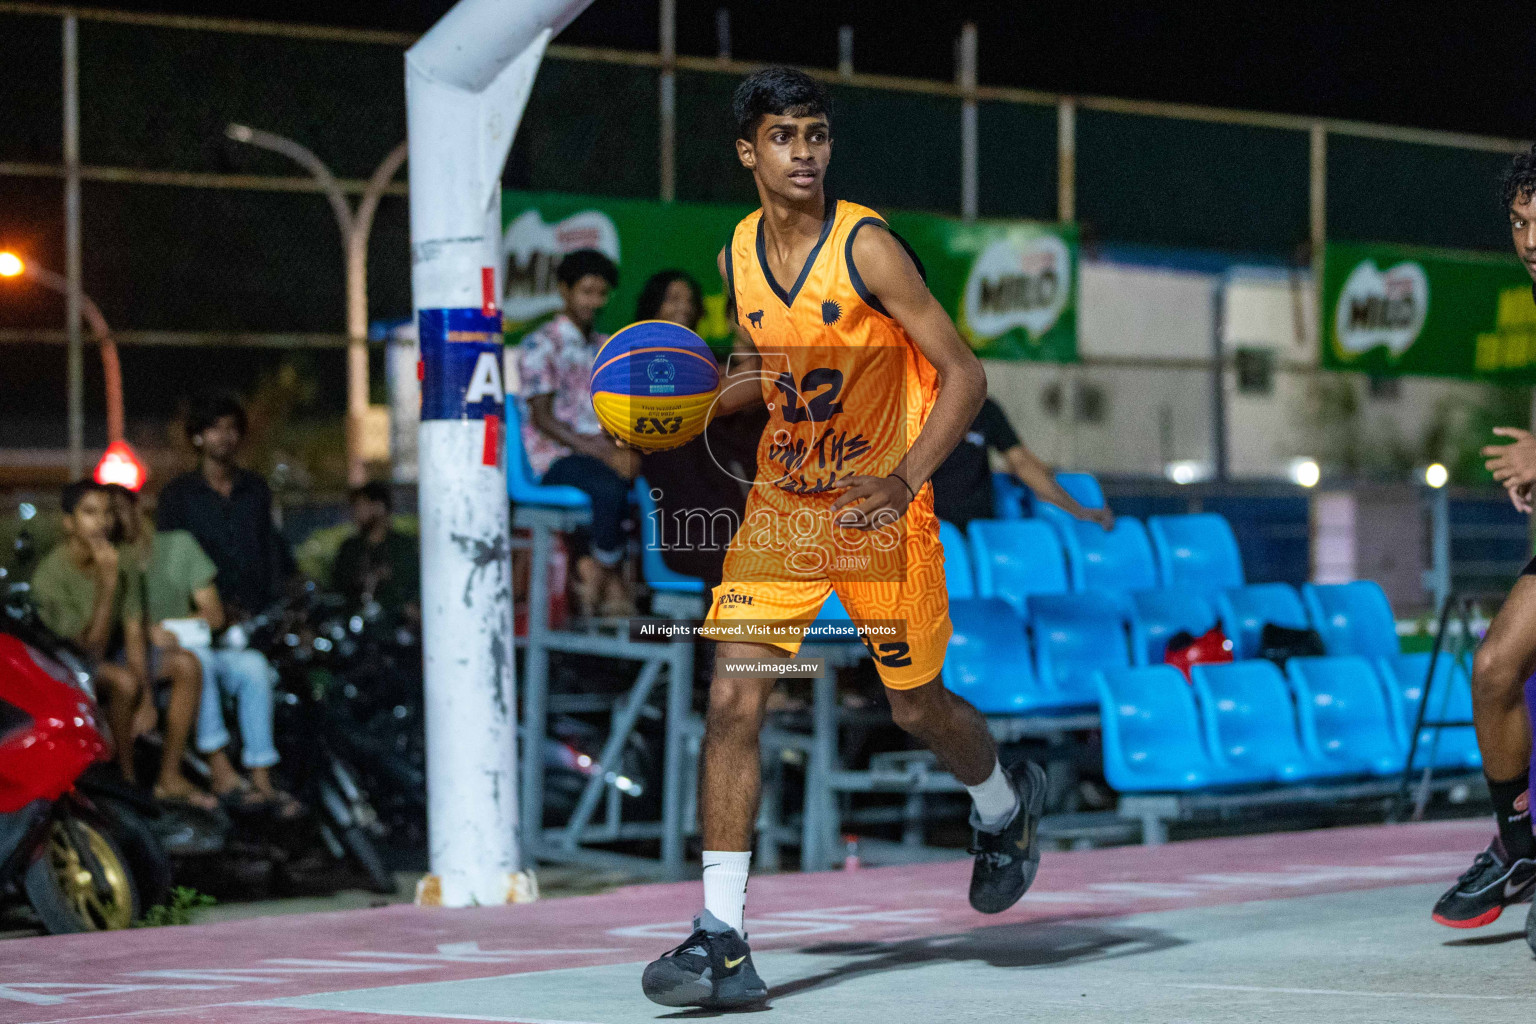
[
  {"x": 744, "y": 365},
  {"x": 889, "y": 273},
  {"x": 1037, "y": 476},
  {"x": 1514, "y": 465}
]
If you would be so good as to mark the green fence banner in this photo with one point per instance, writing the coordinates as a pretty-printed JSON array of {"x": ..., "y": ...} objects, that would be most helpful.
[
  {"x": 1011, "y": 286},
  {"x": 1389, "y": 309}
]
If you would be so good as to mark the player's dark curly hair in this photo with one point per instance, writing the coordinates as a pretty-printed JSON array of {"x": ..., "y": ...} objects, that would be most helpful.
[
  {"x": 777, "y": 90},
  {"x": 1519, "y": 182}
]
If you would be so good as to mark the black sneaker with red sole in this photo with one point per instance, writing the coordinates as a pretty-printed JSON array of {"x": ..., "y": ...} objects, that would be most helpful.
[{"x": 1492, "y": 883}]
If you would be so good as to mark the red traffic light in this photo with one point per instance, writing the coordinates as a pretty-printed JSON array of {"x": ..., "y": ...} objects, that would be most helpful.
[{"x": 120, "y": 465}]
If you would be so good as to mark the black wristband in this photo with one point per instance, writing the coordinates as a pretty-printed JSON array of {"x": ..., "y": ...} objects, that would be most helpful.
[{"x": 906, "y": 485}]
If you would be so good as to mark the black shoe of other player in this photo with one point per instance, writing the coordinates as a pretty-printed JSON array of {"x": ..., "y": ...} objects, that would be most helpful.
[
  {"x": 1006, "y": 861},
  {"x": 711, "y": 969},
  {"x": 1488, "y": 886}
]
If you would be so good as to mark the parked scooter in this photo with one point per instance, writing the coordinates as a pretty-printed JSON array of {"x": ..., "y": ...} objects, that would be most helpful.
[{"x": 83, "y": 865}]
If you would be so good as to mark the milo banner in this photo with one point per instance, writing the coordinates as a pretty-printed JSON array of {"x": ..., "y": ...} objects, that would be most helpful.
[
  {"x": 1431, "y": 312},
  {"x": 1011, "y": 286}
]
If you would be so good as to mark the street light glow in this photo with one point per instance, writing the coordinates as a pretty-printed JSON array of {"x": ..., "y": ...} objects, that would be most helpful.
[
  {"x": 1436, "y": 475},
  {"x": 10, "y": 264},
  {"x": 1305, "y": 472}
]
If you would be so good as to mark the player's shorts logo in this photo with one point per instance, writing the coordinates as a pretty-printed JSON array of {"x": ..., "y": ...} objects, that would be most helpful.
[
  {"x": 733, "y": 598},
  {"x": 756, "y": 318},
  {"x": 831, "y": 312}
]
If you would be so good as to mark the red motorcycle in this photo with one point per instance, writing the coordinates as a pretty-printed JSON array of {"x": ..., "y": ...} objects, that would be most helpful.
[{"x": 73, "y": 856}]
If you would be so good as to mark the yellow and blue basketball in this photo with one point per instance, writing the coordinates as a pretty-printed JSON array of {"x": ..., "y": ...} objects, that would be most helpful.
[{"x": 653, "y": 384}]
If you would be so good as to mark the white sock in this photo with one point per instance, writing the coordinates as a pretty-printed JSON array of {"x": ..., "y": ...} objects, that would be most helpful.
[
  {"x": 995, "y": 800},
  {"x": 725, "y": 885}
]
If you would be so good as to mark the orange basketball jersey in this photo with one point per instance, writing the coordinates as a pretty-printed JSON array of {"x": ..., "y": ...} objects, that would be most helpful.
[{"x": 847, "y": 389}]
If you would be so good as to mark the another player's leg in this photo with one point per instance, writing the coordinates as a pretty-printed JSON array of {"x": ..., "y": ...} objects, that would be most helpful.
[
  {"x": 713, "y": 966},
  {"x": 1006, "y": 805},
  {"x": 1505, "y": 873}
]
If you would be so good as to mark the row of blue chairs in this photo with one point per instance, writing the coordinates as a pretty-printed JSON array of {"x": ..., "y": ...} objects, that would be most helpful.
[{"x": 1247, "y": 723}]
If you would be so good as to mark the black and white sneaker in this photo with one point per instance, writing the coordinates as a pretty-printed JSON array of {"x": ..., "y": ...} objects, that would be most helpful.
[
  {"x": 712, "y": 969},
  {"x": 1486, "y": 888},
  {"x": 1006, "y": 861}
]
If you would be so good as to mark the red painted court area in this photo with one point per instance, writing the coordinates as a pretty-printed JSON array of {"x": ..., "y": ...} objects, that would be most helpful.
[{"x": 234, "y": 972}]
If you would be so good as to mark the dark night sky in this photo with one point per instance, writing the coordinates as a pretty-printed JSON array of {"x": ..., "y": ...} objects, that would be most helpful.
[{"x": 1463, "y": 67}]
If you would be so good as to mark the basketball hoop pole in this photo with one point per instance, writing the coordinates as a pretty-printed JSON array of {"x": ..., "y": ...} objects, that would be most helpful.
[{"x": 467, "y": 82}]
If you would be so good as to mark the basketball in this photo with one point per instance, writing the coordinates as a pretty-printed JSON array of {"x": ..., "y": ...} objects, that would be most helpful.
[{"x": 653, "y": 383}]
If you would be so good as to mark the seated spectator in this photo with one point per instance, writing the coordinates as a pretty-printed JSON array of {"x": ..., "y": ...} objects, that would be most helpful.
[
  {"x": 228, "y": 511},
  {"x": 564, "y": 441},
  {"x": 701, "y": 487},
  {"x": 962, "y": 485},
  {"x": 86, "y": 591},
  {"x": 378, "y": 563},
  {"x": 178, "y": 594}
]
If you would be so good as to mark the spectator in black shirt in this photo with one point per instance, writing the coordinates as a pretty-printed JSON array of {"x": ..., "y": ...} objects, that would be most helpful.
[
  {"x": 962, "y": 485},
  {"x": 229, "y": 511},
  {"x": 378, "y": 563}
]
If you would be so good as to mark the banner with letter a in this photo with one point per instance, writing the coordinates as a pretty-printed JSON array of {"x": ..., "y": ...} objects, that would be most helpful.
[{"x": 1390, "y": 309}]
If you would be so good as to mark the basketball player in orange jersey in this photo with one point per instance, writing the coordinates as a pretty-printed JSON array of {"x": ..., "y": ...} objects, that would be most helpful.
[{"x": 868, "y": 387}]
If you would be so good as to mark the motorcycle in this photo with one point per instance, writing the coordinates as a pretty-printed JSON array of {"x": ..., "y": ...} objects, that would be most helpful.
[{"x": 79, "y": 852}]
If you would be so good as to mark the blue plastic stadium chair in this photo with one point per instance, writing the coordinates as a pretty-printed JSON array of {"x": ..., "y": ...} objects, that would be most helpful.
[
  {"x": 1245, "y": 610},
  {"x": 1249, "y": 720},
  {"x": 1016, "y": 558},
  {"x": 1450, "y": 700},
  {"x": 658, "y": 576},
  {"x": 1084, "y": 487},
  {"x": 832, "y": 611},
  {"x": 988, "y": 660},
  {"x": 1343, "y": 714},
  {"x": 958, "y": 577},
  {"x": 1077, "y": 635},
  {"x": 1197, "y": 550},
  {"x": 522, "y": 486},
  {"x": 1158, "y": 614},
  {"x": 1353, "y": 618},
  {"x": 1152, "y": 734},
  {"x": 1009, "y": 497},
  {"x": 1098, "y": 559}
]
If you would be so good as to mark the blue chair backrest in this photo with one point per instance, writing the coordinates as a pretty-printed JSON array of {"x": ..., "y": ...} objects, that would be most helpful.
[
  {"x": 1084, "y": 487},
  {"x": 832, "y": 612},
  {"x": 958, "y": 577},
  {"x": 1118, "y": 559},
  {"x": 1450, "y": 700},
  {"x": 653, "y": 567},
  {"x": 1341, "y": 701},
  {"x": 1016, "y": 558},
  {"x": 1008, "y": 496},
  {"x": 1245, "y": 610},
  {"x": 1161, "y": 613},
  {"x": 988, "y": 659},
  {"x": 1353, "y": 618},
  {"x": 1197, "y": 550},
  {"x": 1076, "y": 635},
  {"x": 522, "y": 486},
  {"x": 1150, "y": 719},
  {"x": 1249, "y": 717}
]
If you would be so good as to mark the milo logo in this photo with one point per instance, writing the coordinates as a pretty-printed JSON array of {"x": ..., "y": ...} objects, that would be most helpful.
[
  {"x": 532, "y": 249},
  {"x": 1018, "y": 282},
  {"x": 1381, "y": 308}
]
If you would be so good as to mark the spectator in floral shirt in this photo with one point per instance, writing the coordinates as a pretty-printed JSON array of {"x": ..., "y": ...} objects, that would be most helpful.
[{"x": 565, "y": 443}]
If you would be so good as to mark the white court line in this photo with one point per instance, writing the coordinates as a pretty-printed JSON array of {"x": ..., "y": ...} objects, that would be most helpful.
[
  {"x": 427, "y": 1014},
  {"x": 1347, "y": 992}
]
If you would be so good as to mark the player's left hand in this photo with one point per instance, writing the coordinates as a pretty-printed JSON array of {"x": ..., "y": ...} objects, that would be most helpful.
[{"x": 882, "y": 501}]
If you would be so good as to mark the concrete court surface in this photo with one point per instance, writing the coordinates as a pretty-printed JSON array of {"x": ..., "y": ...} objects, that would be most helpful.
[{"x": 1310, "y": 927}]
